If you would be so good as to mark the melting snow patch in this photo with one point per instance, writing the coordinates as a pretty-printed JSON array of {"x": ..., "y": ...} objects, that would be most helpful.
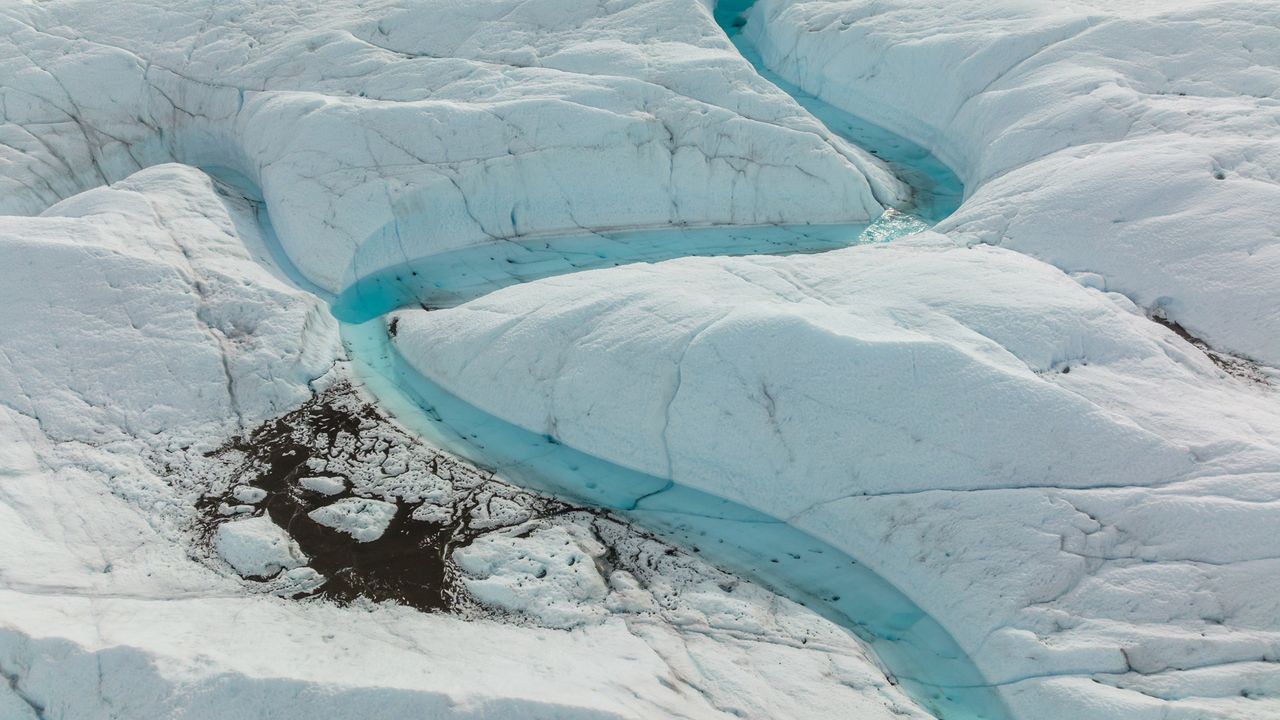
[{"x": 361, "y": 518}]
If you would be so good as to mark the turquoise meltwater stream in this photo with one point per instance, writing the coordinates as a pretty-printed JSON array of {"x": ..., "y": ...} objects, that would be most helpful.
[{"x": 914, "y": 649}]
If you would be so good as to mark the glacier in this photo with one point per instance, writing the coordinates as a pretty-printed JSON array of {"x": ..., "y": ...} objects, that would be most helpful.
[{"x": 639, "y": 358}]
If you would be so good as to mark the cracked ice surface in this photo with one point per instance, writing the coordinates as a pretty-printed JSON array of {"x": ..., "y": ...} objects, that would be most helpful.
[
  {"x": 1111, "y": 553},
  {"x": 1085, "y": 499},
  {"x": 361, "y": 518},
  {"x": 387, "y": 130},
  {"x": 144, "y": 324},
  {"x": 150, "y": 309},
  {"x": 1137, "y": 141}
]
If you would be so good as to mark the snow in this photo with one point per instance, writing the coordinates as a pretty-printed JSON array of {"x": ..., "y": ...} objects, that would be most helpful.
[
  {"x": 257, "y": 547},
  {"x": 361, "y": 518}
]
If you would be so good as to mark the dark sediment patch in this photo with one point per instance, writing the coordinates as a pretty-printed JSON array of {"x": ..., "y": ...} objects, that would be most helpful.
[
  {"x": 1234, "y": 365},
  {"x": 441, "y": 503}
]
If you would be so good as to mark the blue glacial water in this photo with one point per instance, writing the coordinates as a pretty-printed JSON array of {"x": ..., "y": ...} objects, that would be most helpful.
[
  {"x": 912, "y": 647},
  {"x": 936, "y": 190}
]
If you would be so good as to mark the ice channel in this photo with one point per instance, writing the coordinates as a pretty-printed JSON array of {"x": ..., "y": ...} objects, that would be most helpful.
[{"x": 914, "y": 649}]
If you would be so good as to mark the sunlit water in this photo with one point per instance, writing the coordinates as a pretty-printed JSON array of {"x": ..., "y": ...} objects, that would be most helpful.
[{"x": 913, "y": 648}]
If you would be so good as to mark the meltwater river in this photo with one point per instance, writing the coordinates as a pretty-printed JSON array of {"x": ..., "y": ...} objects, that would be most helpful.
[{"x": 913, "y": 648}]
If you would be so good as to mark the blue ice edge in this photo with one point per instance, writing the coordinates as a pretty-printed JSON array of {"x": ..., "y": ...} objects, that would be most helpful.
[{"x": 936, "y": 189}]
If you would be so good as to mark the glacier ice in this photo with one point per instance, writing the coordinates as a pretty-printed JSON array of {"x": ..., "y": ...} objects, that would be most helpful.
[
  {"x": 362, "y": 518},
  {"x": 382, "y": 124},
  {"x": 1096, "y": 136},
  {"x": 1033, "y": 454}
]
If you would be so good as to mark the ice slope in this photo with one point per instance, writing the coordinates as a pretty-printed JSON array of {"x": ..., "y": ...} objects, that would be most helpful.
[
  {"x": 144, "y": 323},
  {"x": 1080, "y": 496},
  {"x": 880, "y": 369},
  {"x": 1135, "y": 140},
  {"x": 140, "y": 323},
  {"x": 237, "y": 657},
  {"x": 388, "y": 129},
  {"x": 151, "y": 307}
]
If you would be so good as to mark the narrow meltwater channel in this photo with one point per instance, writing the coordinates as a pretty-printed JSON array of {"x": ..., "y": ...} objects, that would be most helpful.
[
  {"x": 936, "y": 190},
  {"x": 914, "y": 649}
]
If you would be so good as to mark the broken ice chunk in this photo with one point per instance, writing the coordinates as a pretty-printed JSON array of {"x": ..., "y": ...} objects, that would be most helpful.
[
  {"x": 324, "y": 485},
  {"x": 549, "y": 574},
  {"x": 257, "y": 547},
  {"x": 249, "y": 494},
  {"x": 432, "y": 513},
  {"x": 361, "y": 518}
]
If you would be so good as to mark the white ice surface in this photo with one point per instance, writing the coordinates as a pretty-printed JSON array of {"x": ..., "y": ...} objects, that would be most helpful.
[
  {"x": 323, "y": 485},
  {"x": 1135, "y": 140},
  {"x": 249, "y": 658},
  {"x": 1080, "y": 496},
  {"x": 250, "y": 495},
  {"x": 142, "y": 325},
  {"x": 1103, "y": 542},
  {"x": 390, "y": 127},
  {"x": 146, "y": 307},
  {"x": 534, "y": 572},
  {"x": 257, "y": 547}
]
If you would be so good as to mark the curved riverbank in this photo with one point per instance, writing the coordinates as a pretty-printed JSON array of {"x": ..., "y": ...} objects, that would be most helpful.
[{"x": 915, "y": 649}]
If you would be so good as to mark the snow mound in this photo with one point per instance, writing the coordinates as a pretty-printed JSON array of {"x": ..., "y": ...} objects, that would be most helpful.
[{"x": 257, "y": 547}]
